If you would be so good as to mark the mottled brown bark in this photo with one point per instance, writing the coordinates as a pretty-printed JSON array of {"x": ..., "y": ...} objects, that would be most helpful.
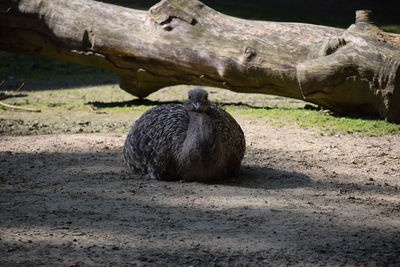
[{"x": 186, "y": 42}]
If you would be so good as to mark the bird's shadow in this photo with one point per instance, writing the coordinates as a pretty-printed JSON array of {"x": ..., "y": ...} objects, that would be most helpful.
[{"x": 253, "y": 176}]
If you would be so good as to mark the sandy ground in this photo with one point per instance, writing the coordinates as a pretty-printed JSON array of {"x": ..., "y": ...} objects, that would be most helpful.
[{"x": 301, "y": 199}]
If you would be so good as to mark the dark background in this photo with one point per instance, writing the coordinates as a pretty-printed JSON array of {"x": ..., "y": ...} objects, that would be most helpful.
[{"x": 339, "y": 13}]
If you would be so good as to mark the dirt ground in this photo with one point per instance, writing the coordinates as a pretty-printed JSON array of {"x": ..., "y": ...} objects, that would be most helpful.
[{"x": 301, "y": 199}]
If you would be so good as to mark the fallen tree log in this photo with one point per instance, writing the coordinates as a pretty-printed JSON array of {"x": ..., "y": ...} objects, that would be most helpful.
[{"x": 185, "y": 42}]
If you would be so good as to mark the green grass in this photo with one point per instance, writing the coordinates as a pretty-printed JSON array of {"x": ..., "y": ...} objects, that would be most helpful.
[
  {"x": 391, "y": 28},
  {"x": 325, "y": 123},
  {"x": 78, "y": 99},
  {"x": 81, "y": 103},
  {"x": 74, "y": 103}
]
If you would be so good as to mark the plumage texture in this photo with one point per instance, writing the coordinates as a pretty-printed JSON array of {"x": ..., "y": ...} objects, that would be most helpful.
[{"x": 197, "y": 141}]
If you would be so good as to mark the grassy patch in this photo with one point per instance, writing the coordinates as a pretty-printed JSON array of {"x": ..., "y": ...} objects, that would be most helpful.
[
  {"x": 391, "y": 28},
  {"x": 106, "y": 108},
  {"x": 323, "y": 122},
  {"x": 77, "y": 100}
]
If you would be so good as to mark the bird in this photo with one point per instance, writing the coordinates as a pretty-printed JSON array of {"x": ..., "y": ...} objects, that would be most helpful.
[{"x": 193, "y": 141}]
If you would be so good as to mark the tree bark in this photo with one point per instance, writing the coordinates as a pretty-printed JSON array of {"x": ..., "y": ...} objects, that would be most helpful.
[{"x": 185, "y": 42}]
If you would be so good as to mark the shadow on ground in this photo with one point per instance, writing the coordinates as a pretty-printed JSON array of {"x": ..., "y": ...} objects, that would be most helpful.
[
  {"x": 253, "y": 176},
  {"x": 84, "y": 208}
]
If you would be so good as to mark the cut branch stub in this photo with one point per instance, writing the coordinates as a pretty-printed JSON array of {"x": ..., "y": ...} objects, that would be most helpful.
[
  {"x": 163, "y": 12},
  {"x": 364, "y": 16}
]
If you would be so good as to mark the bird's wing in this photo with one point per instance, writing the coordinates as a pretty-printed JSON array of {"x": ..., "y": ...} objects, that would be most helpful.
[
  {"x": 155, "y": 139},
  {"x": 229, "y": 131}
]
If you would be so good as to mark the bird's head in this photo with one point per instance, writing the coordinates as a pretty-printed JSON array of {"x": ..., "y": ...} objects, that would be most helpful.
[{"x": 197, "y": 100}]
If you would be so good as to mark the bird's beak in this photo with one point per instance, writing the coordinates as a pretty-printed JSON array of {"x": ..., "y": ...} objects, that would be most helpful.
[{"x": 197, "y": 106}]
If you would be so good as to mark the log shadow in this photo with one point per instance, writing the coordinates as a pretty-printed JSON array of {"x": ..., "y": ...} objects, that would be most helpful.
[
  {"x": 147, "y": 102},
  {"x": 356, "y": 115},
  {"x": 308, "y": 106},
  {"x": 129, "y": 103},
  {"x": 240, "y": 104},
  {"x": 351, "y": 115}
]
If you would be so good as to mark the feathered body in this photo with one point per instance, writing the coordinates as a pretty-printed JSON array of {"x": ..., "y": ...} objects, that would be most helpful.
[{"x": 196, "y": 141}]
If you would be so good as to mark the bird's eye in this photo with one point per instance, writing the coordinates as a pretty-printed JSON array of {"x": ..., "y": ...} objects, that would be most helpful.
[{"x": 190, "y": 97}]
